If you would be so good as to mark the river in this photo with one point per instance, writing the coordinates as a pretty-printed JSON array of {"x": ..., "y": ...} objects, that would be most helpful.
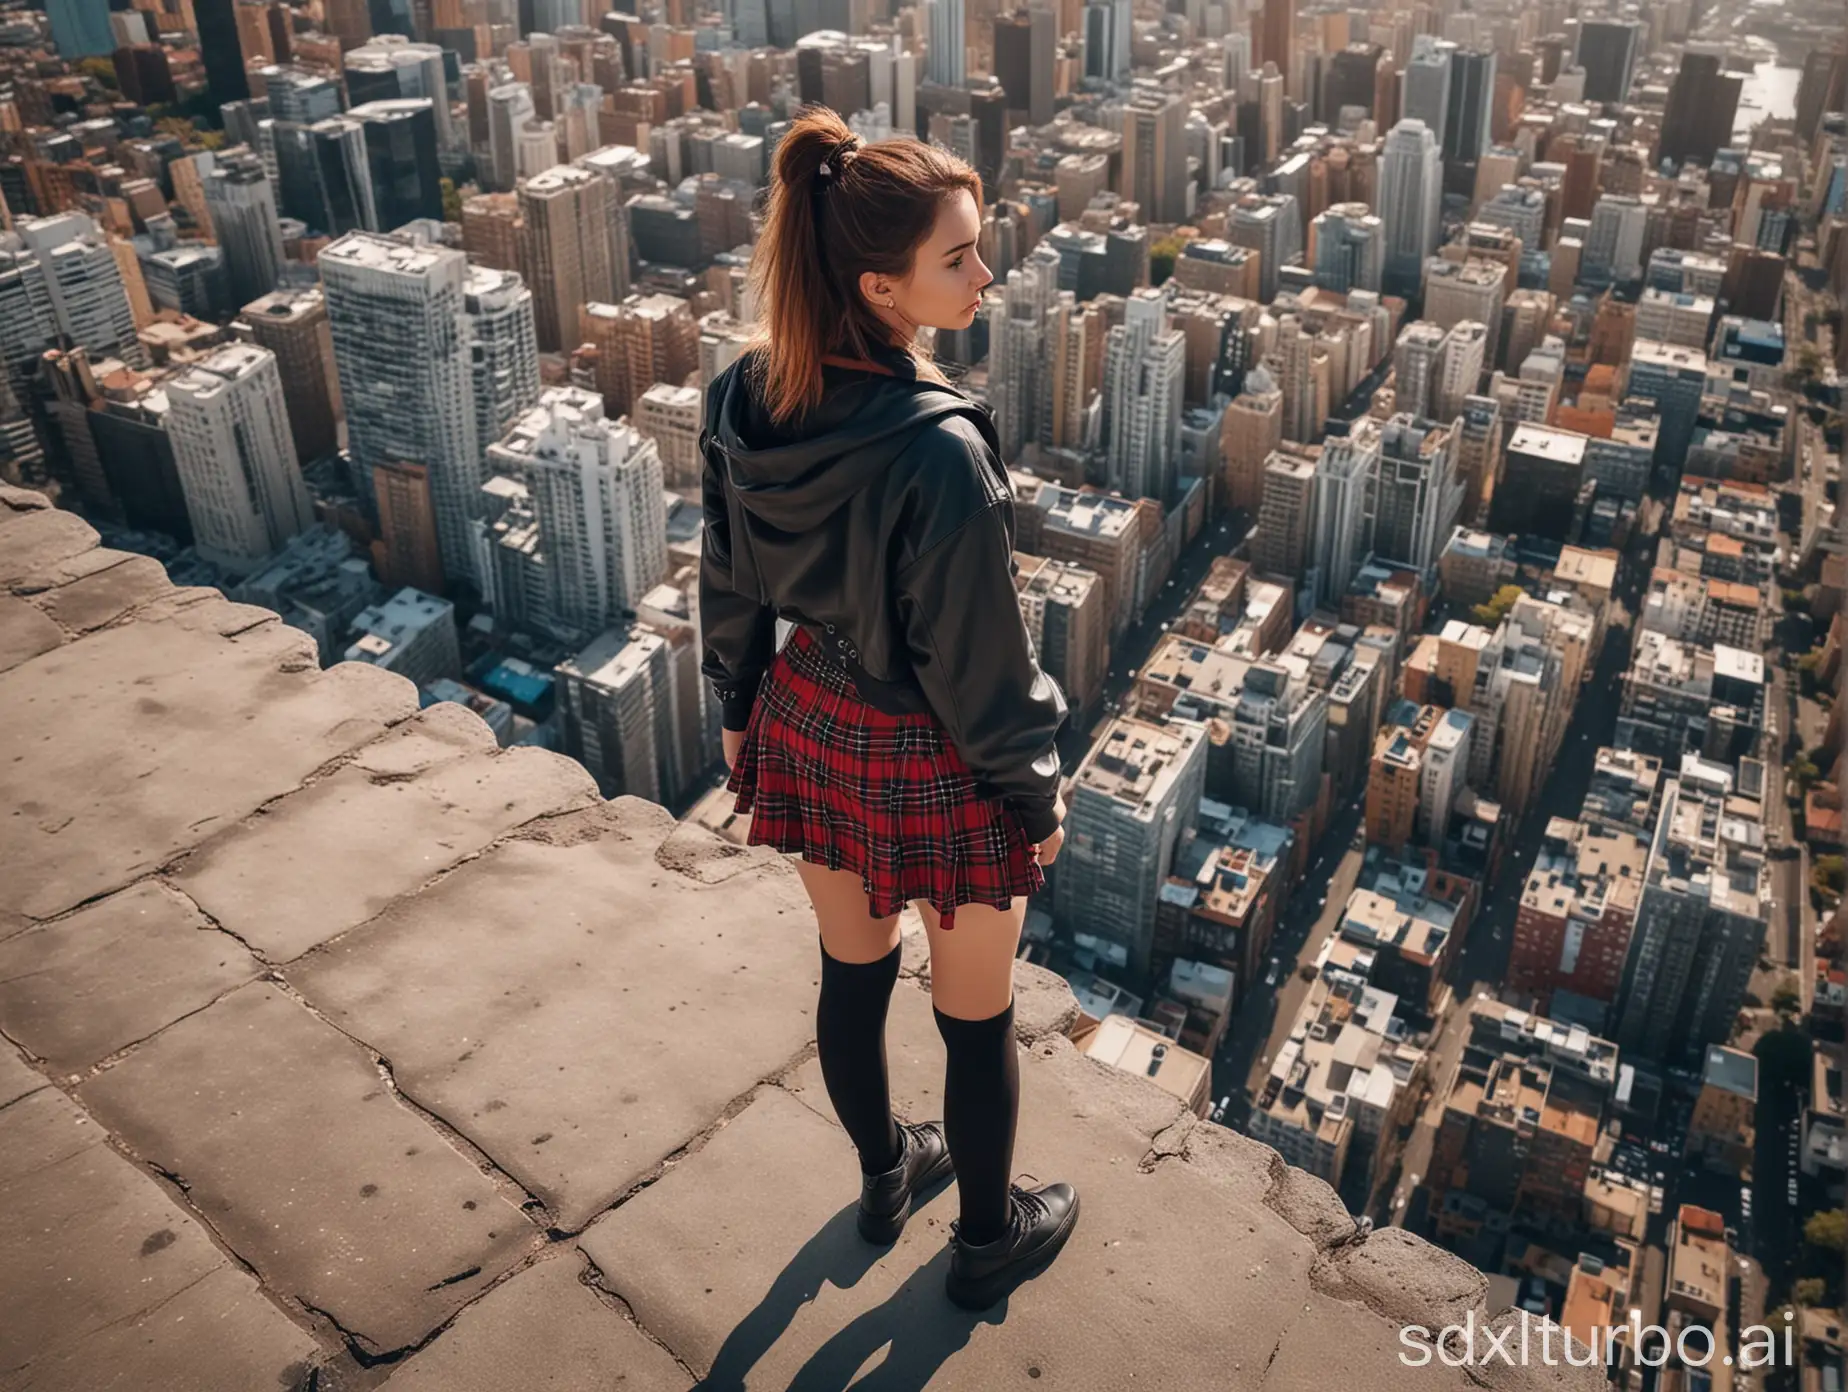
[{"x": 1773, "y": 90}]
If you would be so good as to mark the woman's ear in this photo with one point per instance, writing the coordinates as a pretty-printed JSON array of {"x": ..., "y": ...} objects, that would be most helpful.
[{"x": 876, "y": 289}]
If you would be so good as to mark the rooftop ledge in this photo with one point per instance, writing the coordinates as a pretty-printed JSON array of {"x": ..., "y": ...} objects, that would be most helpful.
[{"x": 358, "y": 1052}]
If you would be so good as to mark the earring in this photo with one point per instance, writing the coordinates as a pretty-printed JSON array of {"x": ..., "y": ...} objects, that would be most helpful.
[{"x": 891, "y": 305}]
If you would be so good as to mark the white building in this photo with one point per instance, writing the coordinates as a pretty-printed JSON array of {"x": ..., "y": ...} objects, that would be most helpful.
[
  {"x": 236, "y": 457},
  {"x": 59, "y": 279},
  {"x": 1410, "y": 199},
  {"x": 412, "y": 634}
]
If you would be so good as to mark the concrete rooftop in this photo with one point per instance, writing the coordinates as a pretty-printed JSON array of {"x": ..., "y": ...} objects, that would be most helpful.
[{"x": 353, "y": 1051}]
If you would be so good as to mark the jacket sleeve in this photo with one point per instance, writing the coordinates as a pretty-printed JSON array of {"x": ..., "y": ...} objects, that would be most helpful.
[
  {"x": 737, "y": 633},
  {"x": 960, "y": 614}
]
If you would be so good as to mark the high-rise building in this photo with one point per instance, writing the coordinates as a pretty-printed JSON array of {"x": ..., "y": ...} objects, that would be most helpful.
[
  {"x": 1426, "y": 86},
  {"x": 392, "y": 68},
  {"x": 324, "y": 177},
  {"x": 1274, "y": 29},
  {"x": 1459, "y": 368},
  {"x": 510, "y": 107},
  {"x": 403, "y": 352},
  {"x": 597, "y": 492},
  {"x": 221, "y": 51},
  {"x": 1155, "y": 154},
  {"x": 1303, "y": 377},
  {"x": 1418, "y": 498},
  {"x": 1702, "y": 102},
  {"x": 1472, "y": 290},
  {"x": 1347, "y": 476},
  {"x": 497, "y": 308},
  {"x": 1572, "y": 932},
  {"x": 1272, "y": 226},
  {"x": 401, "y": 160},
  {"x": 615, "y": 714},
  {"x": 1144, "y": 373},
  {"x": 1614, "y": 245},
  {"x": 1701, "y": 923},
  {"x": 1107, "y": 38},
  {"x": 1281, "y": 545},
  {"x": 1411, "y": 194},
  {"x": 1607, "y": 51},
  {"x": 1415, "y": 366},
  {"x": 1131, "y": 799},
  {"x": 1279, "y": 726},
  {"x": 244, "y": 489},
  {"x": 1470, "y": 100},
  {"x": 1253, "y": 428},
  {"x": 1350, "y": 248},
  {"x": 946, "y": 58},
  {"x": 565, "y": 214},
  {"x": 299, "y": 96},
  {"x": 292, "y": 324},
  {"x": 245, "y": 224},
  {"x": 406, "y": 551},
  {"x": 644, "y": 340},
  {"x": 1026, "y": 52},
  {"x": 80, "y": 29},
  {"x": 59, "y": 280}
]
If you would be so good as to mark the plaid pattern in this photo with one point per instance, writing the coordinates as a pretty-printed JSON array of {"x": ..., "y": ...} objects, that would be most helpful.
[{"x": 842, "y": 784}]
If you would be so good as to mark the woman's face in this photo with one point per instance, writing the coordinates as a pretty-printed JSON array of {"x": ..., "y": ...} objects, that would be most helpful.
[{"x": 944, "y": 288}]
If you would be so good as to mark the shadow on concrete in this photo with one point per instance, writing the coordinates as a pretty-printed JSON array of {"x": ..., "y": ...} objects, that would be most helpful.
[{"x": 917, "y": 1326}]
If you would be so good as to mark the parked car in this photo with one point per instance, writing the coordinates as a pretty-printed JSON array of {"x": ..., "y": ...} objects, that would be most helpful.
[{"x": 1270, "y": 977}]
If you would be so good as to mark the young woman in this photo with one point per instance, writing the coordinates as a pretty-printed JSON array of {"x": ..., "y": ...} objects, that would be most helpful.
[{"x": 901, "y": 742}]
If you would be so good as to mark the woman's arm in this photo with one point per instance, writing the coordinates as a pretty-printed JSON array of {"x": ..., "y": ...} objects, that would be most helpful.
[
  {"x": 737, "y": 632},
  {"x": 960, "y": 614}
]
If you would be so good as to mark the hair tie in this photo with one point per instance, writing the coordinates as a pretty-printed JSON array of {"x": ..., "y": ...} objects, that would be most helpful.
[{"x": 840, "y": 155}]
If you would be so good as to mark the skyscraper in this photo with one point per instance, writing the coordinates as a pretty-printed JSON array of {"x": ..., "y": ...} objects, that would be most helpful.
[
  {"x": 510, "y": 107},
  {"x": 1607, "y": 51},
  {"x": 1472, "y": 93},
  {"x": 221, "y": 51},
  {"x": 1459, "y": 368},
  {"x": 945, "y": 61},
  {"x": 1271, "y": 225},
  {"x": 324, "y": 176},
  {"x": 1107, "y": 38},
  {"x": 244, "y": 221},
  {"x": 1411, "y": 195},
  {"x": 244, "y": 490},
  {"x": 1026, "y": 44},
  {"x": 1155, "y": 154},
  {"x": 1144, "y": 371},
  {"x": 1427, "y": 85},
  {"x": 396, "y": 308},
  {"x": 1702, "y": 102},
  {"x": 292, "y": 324},
  {"x": 1275, "y": 32},
  {"x": 1303, "y": 377},
  {"x": 1350, "y": 248},
  {"x": 80, "y": 29},
  {"x": 504, "y": 362},
  {"x": 59, "y": 279},
  {"x": 392, "y": 68},
  {"x": 1347, "y": 473},
  {"x": 1281, "y": 545},
  {"x": 597, "y": 493},
  {"x": 1417, "y": 500},
  {"x": 401, "y": 160},
  {"x": 566, "y": 244}
]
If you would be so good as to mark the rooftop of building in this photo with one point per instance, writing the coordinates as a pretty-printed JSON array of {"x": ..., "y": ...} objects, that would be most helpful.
[
  {"x": 1731, "y": 1070},
  {"x": 360, "y": 1050}
]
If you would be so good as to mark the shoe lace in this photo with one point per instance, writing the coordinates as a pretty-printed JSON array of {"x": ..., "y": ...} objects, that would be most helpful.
[{"x": 1025, "y": 1209}]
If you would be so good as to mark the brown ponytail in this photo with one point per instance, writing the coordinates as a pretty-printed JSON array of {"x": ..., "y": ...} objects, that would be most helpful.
[{"x": 870, "y": 211}]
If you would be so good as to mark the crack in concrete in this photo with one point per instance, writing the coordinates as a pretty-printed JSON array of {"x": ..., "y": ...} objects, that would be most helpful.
[{"x": 596, "y": 1282}]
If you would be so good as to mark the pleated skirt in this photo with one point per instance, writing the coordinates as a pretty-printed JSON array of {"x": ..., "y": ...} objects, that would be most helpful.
[{"x": 843, "y": 784}]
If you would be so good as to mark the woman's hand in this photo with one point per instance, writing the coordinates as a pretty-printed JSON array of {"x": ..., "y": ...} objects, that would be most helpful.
[
  {"x": 1048, "y": 850},
  {"x": 734, "y": 741}
]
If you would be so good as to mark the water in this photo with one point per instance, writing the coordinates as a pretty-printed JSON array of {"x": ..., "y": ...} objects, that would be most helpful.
[{"x": 1773, "y": 92}]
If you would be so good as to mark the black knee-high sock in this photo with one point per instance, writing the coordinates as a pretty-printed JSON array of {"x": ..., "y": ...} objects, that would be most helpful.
[
  {"x": 981, "y": 1103},
  {"x": 850, "y": 1037}
]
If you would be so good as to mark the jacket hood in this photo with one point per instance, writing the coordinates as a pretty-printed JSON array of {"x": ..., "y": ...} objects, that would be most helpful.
[{"x": 794, "y": 479}]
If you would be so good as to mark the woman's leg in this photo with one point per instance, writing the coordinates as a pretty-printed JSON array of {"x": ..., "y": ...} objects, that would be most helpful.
[
  {"x": 972, "y": 990},
  {"x": 859, "y": 967}
]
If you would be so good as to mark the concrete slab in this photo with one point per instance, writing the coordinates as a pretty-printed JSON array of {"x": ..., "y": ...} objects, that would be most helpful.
[
  {"x": 33, "y": 540},
  {"x": 100, "y": 1270},
  {"x": 218, "y": 1335},
  {"x": 17, "y": 1077},
  {"x": 25, "y": 632},
  {"x": 542, "y": 1331},
  {"x": 106, "y": 595},
  {"x": 78, "y": 989},
  {"x": 289, "y": 1141},
  {"x": 267, "y": 879},
  {"x": 136, "y": 742},
  {"x": 773, "y": 1288},
  {"x": 610, "y": 1009},
  {"x": 1368, "y": 1354}
]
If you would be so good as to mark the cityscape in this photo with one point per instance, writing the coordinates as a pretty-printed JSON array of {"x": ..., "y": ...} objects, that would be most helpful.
[{"x": 1424, "y": 426}]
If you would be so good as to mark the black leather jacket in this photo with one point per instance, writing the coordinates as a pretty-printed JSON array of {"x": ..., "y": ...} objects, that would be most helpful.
[{"x": 885, "y": 522}]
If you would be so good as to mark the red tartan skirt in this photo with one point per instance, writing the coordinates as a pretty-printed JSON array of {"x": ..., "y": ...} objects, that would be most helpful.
[{"x": 841, "y": 783}]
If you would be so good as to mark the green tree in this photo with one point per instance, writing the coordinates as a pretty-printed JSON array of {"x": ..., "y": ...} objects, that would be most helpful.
[
  {"x": 1827, "y": 1231},
  {"x": 1492, "y": 613},
  {"x": 1810, "y": 1291},
  {"x": 1162, "y": 256},
  {"x": 101, "y": 69},
  {"x": 452, "y": 200},
  {"x": 1828, "y": 873}
]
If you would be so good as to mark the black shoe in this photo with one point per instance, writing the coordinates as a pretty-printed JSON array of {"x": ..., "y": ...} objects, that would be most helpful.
[
  {"x": 885, "y": 1199},
  {"x": 1039, "y": 1221}
]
